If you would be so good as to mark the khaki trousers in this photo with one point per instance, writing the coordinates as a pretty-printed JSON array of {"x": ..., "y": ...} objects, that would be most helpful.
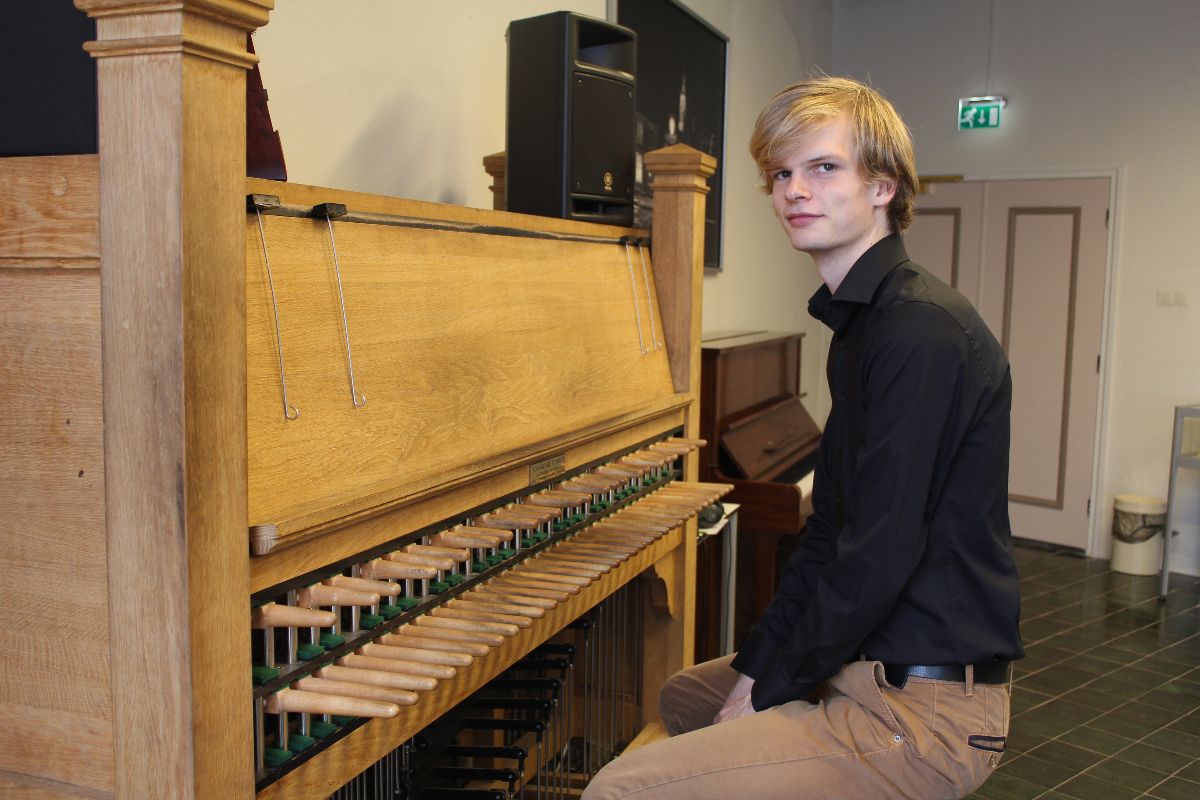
[{"x": 865, "y": 739}]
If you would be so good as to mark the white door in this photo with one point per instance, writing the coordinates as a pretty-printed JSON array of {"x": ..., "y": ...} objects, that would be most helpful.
[{"x": 1031, "y": 255}]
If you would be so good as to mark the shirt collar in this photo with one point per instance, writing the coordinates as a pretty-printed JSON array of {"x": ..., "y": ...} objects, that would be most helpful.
[{"x": 860, "y": 283}]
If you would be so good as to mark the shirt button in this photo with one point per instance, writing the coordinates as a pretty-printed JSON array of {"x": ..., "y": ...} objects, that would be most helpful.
[
  {"x": 841, "y": 398},
  {"x": 897, "y": 738}
]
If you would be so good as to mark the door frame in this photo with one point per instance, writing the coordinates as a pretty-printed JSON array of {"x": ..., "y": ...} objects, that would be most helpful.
[{"x": 1098, "y": 539}]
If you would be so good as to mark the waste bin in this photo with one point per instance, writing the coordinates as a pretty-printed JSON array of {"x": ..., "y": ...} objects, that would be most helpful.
[{"x": 1138, "y": 523}]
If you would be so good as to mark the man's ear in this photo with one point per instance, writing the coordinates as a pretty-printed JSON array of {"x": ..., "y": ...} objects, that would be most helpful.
[{"x": 883, "y": 192}]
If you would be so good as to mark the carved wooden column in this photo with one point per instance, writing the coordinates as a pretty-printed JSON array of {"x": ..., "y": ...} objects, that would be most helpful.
[
  {"x": 171, "y": 90},
  {"x": 680, "y": 185}
]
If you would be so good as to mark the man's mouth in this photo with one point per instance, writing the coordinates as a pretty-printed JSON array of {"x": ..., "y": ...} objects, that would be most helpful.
[{"x": 800, "y": 220}]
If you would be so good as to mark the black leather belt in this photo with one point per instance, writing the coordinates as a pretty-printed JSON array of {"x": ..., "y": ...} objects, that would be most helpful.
[{"x": 989, "y": 672}]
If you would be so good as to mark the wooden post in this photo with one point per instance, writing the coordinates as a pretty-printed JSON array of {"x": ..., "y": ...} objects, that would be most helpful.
[
  {"x": 680, "y": 183},
  {"x": 496, "y": 166},
  {"x": 172, "y": 99}
]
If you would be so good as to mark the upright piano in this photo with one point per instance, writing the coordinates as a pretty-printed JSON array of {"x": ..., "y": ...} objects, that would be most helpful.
[
  {"x": 293, "y": 476},
  {"x": 761, "y": 440}
]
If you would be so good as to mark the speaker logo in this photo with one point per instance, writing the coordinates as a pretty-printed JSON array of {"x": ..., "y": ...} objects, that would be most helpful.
[{"x": 608, "y": 181}]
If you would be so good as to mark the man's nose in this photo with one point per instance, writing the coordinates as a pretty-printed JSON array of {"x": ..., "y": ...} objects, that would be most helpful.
[{"x": 797, "y": 188}]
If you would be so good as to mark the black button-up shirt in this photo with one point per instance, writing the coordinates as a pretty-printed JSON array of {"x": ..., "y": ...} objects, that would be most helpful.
[{"x": 907, "y": 555}]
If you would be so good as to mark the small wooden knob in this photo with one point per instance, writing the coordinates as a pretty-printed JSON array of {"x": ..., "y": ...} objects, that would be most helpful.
[
  {"x": 400, "y": 557},
  {"x": 314, "y": 703},
  {"x": 277, "y": 615},
  {"x": 471, "y": 540},
  {"x": 456, "y": 630},
  {"x": 504, "y": 534},
  {"x": 400, "y": 697},
  {"x": 406, "y": 653},
  {"x": 491, "y": 594},
  {"x": 432, "y": 551},
  {"x": 394, "y": 665},
  {"x": 381, "y": 588},
  {"x": 550, "y": 577},
  {"x": 420, "y": 639},
  {"x": 380, "y": 568},
  {"x": 483, "y": 626},
  {"x": 321, "y": 595},
  {"x": 535, "y": 581},
  {"x": 374, "y": 677},
  {"x": 472, "y": 603},
  {"x": 458, "y": 612}
]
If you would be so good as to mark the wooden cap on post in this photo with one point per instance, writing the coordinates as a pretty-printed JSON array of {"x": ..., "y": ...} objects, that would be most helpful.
[{"x": 496, "y": 165}]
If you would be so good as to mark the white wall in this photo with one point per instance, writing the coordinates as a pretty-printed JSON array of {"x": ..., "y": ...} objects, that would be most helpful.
[
  {"x": 404, "y": 97},
  {"x": 396, "y": 97},
  {"x": 1091, "y": 85},
  {"x": 765, "y": 284}
]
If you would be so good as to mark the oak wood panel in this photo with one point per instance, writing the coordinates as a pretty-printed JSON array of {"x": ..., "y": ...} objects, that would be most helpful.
[
  {"x": 50, "y": 211},
  {"x": 313, "y": 552},
  {"x": 471, "y": 349},
  {"x": 14, "y": 786},
  {"x": 54, "y": 687}
]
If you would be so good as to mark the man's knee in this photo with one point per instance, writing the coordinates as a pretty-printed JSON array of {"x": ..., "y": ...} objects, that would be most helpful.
[{"x": 673, "y": 705}]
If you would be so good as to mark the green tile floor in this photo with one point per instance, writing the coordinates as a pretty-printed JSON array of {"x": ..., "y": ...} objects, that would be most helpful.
[{"x": 1106, "y": 703}]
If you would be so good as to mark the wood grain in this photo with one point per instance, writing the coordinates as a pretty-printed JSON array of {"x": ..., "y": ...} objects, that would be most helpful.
[
  {"x": 171, "y": 89},
  {"x": 50, "y": 211},
  {"x": 15, "y": 786},
  {"x": 55, "y": 685},
  {"x": 471, "y": 350}
]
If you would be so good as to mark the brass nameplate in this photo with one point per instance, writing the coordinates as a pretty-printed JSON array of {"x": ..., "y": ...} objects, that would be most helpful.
[{"x": 545, "y": 470}]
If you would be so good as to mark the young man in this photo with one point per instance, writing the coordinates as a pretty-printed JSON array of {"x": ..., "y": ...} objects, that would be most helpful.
[{"x": 880, "y": 669}]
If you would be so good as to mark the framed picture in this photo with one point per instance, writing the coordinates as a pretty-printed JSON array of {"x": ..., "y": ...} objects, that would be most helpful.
[{"x": 681, "y": 71}]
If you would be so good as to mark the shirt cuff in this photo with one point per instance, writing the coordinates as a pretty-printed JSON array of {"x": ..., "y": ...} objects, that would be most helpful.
[
  {"x": 754, "y": 658},
  {"x": 761, "y": 659}
]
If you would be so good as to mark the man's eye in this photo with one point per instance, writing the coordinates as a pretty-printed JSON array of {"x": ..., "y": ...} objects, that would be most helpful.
[
  {"x": 782, "y": 174},
  {"x": 826, "y": 167}
]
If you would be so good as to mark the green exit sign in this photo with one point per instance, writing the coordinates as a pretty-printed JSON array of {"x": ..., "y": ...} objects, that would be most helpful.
[{"x": 979, "y": 112}]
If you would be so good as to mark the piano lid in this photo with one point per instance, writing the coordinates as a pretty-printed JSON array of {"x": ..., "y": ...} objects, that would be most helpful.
[{"x": 766, "y": 443}]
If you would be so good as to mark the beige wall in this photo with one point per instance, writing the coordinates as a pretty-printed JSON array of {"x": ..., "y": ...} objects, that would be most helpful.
[
  {"x": 405, "y": 97},
  {"x": 1093, "y": 86}
]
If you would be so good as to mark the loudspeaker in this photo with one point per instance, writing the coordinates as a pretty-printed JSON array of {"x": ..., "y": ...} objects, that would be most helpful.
[{"x": 571, "y": 118}]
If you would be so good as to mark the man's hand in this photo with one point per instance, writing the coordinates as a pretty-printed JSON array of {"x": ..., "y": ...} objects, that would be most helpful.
[{"x": 738, "y": 703}]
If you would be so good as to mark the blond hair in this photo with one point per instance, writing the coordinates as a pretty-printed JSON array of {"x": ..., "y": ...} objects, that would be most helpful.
[{"x": 883, "y": 141}]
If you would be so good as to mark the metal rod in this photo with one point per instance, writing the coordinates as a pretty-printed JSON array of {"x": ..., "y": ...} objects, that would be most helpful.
[
  {"x": 621, "y": 640},
  {"x": 357, "y": 398},
  {"x": 587, "y": 703},
  {"x": 427, "y": 223},
  {"x": 637, "y": 309},
  {"x": 260, "y": 733},
  {"x": 612, "y": 679},
  {"x": 649, "y": 300},
  {"x": 289, "y": 410}
]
